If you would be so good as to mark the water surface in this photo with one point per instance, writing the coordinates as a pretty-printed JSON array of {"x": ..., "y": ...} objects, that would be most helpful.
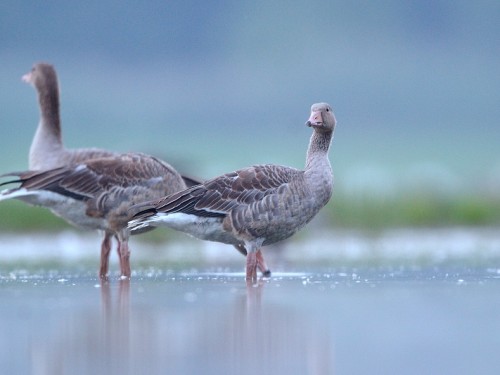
[{"x": 355, "y": 320}]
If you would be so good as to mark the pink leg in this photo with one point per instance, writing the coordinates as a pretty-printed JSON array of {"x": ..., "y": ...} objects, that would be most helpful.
[
  {"x": 105, "y": 249},
  {"x": 261, "y": 263},
  {"x": 251, "y": 273},
  {"x": 119, "y": 253},
  {"x": 124, "y": 259}
]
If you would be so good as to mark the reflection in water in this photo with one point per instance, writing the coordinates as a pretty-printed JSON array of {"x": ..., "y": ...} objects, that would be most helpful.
[
  {"x": 115, "y": 326},
  {"x": 85, "y": 340},
  {"x": 270, "y": 338},
  {"x": 183, "y": 328}
]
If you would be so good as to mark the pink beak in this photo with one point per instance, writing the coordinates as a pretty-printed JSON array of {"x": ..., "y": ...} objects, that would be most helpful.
[
  {"x": 27, "y": 77},
  {"x": 315, "y": 118}
]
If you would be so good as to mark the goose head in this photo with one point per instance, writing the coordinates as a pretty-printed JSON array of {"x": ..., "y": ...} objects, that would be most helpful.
[
  {"x": 322, "y": 118},
  {"x": 41, "y": 76}
]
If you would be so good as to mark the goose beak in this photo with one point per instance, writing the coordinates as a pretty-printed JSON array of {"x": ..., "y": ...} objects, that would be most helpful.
[
  {"x": 315, "y": 119},
  {"x": 26, "y": 78}
]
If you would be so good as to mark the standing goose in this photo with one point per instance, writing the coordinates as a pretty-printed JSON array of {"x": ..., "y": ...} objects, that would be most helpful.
[
  {"x": 47, "y": 150},
  {"x": 254, "y": 206},
  {"x": 97, "y": 195}
]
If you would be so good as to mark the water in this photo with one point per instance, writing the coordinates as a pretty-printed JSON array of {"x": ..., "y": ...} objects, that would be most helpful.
[{"x": 347, "y": 320}]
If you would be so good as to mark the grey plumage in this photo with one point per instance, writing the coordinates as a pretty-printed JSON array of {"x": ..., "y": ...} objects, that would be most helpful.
[
  {"x": 254, "y": 206},
  {"x": 47, "y": 150},
  {"x": 83, "y": 185},
  {"x": 97, "y": 195}
]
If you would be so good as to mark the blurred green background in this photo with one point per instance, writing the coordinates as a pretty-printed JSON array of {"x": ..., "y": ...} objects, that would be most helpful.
[{"x": 215, "y": 86}]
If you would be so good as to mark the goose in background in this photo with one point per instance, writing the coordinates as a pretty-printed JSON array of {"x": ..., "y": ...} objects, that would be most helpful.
[
  {"x": 97, "y": 195},
  {"x": 47, "y": 150}
]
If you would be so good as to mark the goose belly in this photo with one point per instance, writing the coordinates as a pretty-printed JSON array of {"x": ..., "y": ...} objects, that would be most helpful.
[
  {"x": 204, "y": 228},
  {"x": 71, "y": 210}
]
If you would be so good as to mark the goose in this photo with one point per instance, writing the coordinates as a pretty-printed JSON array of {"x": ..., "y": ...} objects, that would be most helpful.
[
  {"x": 97, "y": 194},
  {"x": 47, "y": 150},
  {"x": 254, "y": 206}
]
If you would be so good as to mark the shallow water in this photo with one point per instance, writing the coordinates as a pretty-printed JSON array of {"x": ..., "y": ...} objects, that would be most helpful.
[
  {"x": 412, "y": 320},
  {"x": 403, "y": 301}
]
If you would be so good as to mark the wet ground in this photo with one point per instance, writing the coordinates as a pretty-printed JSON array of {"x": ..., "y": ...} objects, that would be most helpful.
[{"x": 439, "y": 317}]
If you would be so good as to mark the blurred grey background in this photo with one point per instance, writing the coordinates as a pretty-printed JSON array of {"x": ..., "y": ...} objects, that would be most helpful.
[{"x": 214, "y": 86}]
